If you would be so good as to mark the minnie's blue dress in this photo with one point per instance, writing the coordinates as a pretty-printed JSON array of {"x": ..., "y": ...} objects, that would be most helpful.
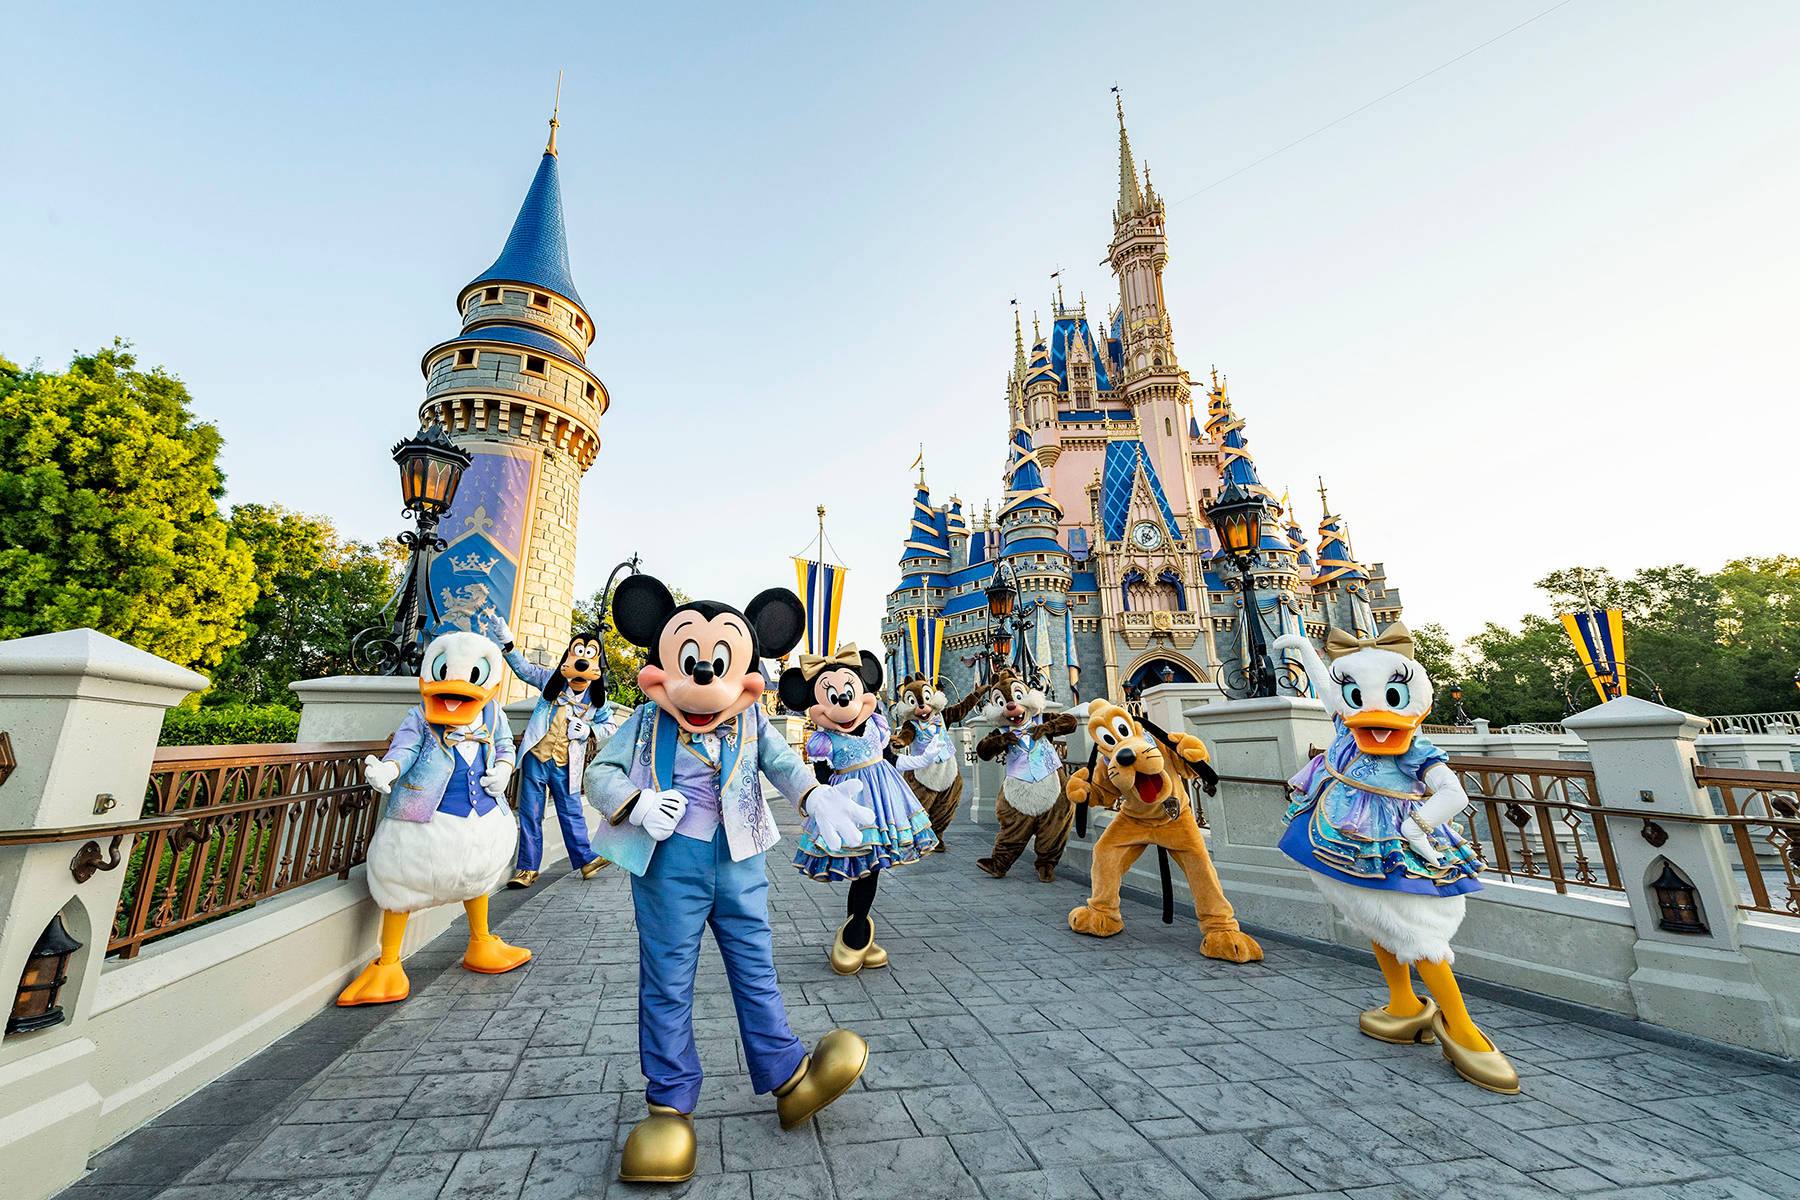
[
  {"x": 1353, "y": 836},
  {"x": 902, "y": 831}
]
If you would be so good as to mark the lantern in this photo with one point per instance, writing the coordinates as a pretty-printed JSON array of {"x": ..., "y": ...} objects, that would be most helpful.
[
  {"x": 1677, "y": 902},
  {"x": 45, "y": 973},
  {"x": 1003, "y": 647},
  {"x": 431, "y": 466},
  {"x": 1167, "y": 673},
  {"x": 1001, "y": 597},
  {"x": 1238, "y": 516}
]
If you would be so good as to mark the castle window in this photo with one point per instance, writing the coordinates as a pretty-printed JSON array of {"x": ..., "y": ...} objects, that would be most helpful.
[
  {"x": 491, "y": 296},
  {"x": 580, "y": 325},
  {"x": 539, "y": 300},
  {"x": 534, "y": 365},
  {"x": 590, "y": 391},
  {"x": 1040, "y": 558},
  {"x": 1168, "y": 429},
  {"x": 465, "y": 358}
]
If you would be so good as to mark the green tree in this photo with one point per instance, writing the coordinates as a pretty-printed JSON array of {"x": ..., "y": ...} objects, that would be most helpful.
[
  {"x": 109, "y": 514},
  {"x": 315, "y": 592}
]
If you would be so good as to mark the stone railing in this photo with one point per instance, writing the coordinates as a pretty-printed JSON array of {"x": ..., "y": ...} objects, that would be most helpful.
[{"x": 1769, "y": 722}]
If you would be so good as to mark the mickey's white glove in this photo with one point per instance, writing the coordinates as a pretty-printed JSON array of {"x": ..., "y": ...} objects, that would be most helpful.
[
  {"x": 502, "y": 631},
  {"x": 658, "y": 813},
  {"x": 380, "y": 774},
  {"x": 836, "y": 816},
  {"x": 494, "y": 782}
]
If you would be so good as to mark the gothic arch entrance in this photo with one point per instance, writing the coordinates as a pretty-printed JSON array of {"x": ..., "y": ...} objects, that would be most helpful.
[{"x": 1148, "y": 672}]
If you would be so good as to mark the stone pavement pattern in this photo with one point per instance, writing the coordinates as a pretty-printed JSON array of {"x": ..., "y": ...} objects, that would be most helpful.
[{"x": 1012, "y": 1060}]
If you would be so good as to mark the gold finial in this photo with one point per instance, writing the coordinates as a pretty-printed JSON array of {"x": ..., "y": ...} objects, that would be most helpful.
[
  {"x": 556, "y": 107},
  {"x": 1036, "y": 334},
  {"x": 921, "y": 464},
  {"x": 1119, "y": 103},
  {"x": 1324, "y": 504}
]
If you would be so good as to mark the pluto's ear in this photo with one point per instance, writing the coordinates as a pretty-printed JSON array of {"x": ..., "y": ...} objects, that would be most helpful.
[
  {"x": 779, "y": 620},
  {"x": 871, "y": 672},
  {"x": 641, "y": 606},
  {"x": 795, "y": 691}
]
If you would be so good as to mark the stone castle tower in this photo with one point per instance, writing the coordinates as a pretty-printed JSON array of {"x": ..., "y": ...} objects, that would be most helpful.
[
  {"x": 515, "y": 391},
  {"x": 1109, "y": 475}
]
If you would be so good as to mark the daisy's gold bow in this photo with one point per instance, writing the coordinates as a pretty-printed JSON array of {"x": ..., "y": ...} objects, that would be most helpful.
[
  {"x": 847, "y": 656},
  {"x": 1395, "y": 637}
]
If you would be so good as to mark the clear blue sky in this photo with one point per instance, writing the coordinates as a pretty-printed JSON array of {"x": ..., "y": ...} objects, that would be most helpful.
[{"x": 1527, "y": 313}]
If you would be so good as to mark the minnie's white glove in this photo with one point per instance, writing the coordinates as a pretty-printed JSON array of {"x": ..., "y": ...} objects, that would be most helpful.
[
  {"x": 912, "y": 762},
  {"x": 836, "y": 816},
  {"x": 941, "y": 750},
  {"x": 494, "y": 782},
  {"x": 657, "y": 813},
  {"x": 380, "y": 774}
]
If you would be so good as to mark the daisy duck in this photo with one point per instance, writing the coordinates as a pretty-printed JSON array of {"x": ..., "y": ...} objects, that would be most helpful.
[
  {"x": 1370, "y": 819},
  {"x": 681, "y": 788}
]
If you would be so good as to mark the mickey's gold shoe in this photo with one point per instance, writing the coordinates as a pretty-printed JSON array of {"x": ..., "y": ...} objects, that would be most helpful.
[
  {"x": 844, "y": 960},
  {"x": 660, "y": 1149},
  {"x": 522, "y": 879},
  {"x": 873, "y": 955},
  {"x": 1384, "y": 1026},
  {"x": 824, "y": 1075},
  {"x": 1483, "y": 1068},
  {"x": 594, "y": 868}
]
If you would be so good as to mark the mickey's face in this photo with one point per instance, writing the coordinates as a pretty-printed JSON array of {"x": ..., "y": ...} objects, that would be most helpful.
[
  {"x": 707, "y": 671},
  {"x": 581, "y": 662},
  {"x": 839, "y": 701}
]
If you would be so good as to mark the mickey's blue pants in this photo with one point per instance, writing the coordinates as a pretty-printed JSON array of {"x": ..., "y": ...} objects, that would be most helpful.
[
  {"x": 688, "y": 886},
  {"x": 541, "y": 776}
]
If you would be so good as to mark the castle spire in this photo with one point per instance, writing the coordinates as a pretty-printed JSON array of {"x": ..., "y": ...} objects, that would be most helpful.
[
  {"x": 1130, "y": 198},
  {"x": 1018, "y": 348},
  {"x": 555, "y": 107}
]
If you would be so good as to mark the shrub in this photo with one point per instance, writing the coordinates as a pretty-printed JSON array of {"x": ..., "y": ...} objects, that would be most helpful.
[{"x": 230, "y": 725}]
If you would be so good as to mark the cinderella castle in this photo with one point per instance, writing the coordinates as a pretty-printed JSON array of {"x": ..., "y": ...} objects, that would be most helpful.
[{"x": 1103, "y": 529}]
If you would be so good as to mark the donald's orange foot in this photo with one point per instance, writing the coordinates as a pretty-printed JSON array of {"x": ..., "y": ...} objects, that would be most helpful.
[
  {"x": 380, "y": 983},
  {"x": 491, "y": 956}
]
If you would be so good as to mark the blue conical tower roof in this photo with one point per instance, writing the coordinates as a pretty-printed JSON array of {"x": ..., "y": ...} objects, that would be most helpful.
[
  {"x": 537, "y": 250},
  {"x": 1024, "y": 480}
]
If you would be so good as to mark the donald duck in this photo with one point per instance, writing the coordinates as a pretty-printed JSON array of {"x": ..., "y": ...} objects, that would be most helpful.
[
  {"x": 446, "y": 833},
  {"x": 1370, "y": 820}
]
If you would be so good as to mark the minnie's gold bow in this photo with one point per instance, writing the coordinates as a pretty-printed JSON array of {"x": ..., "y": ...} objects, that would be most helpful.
[
  {"x": 847, "y": 656},
  {"x": 1395, "y": 637}
]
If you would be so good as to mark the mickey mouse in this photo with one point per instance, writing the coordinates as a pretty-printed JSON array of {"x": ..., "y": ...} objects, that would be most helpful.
[
  {"x": 681, "y": 787},
  {"x": 851, "y": 748}
]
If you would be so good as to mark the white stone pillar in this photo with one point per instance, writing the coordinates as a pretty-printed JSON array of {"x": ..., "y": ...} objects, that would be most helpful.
[
  {"x": 84, "y": 712},
  {"x": 353, "y": 708},
  {"x": 1643, "y": 758}
]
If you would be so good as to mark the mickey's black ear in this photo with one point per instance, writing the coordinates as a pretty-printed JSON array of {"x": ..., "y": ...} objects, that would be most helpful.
[
  {"x": 779, "y": 620},
  {"x": 794, "y": 690},
  {"x": 871, "y": 672},
  {"x": 641, "y": 606}
]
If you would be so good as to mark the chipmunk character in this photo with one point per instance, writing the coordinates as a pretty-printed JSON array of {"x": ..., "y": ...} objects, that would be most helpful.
[
  {"x": 839, "y": 695},
  {"x": 924, "y": 716},
  {"x": 569, "y": 714},
  {"x": 1139, "y": 771},
  {"x": 681, "y": 785},
  {"x": 1370, "y": 821},
  {"x": 446, "y": 833},
  {"x": 1032, "y": 806}
]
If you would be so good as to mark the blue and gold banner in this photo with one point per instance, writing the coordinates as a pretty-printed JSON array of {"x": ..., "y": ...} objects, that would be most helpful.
[
  {"x": 822, "y": 591},
  {"x": 488, "y": 531},
  {"x": 923, "y": 646},
  {"x": 1599, "y": 639}
]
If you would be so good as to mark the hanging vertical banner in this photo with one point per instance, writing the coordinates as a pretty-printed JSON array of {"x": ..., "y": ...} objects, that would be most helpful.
[
  {"x": 822, "y": 591},
  {"x": 923, "y": 641},
  {"x": 1599, "y": 639},
  {"x": 1041, "y": 637},
  {"x": 1069, "y": 651}
]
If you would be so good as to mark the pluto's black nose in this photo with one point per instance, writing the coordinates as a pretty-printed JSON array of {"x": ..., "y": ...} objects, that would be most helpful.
[{"x": 1125, "y": 757}]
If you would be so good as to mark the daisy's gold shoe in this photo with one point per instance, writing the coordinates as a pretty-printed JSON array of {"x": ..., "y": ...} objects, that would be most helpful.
[
  {"x": 824, "y": 1075},
  {"x": 873, "y": 955},
  {"x": 1483, "y": 1068},
  {"x": 844, "y": 960},
  {"x": 594, "y": 868},
  {"x": 1384, "y": 1026},
  {"x": 660, "y": 1149},
  {"x": 522, "y": 879}
]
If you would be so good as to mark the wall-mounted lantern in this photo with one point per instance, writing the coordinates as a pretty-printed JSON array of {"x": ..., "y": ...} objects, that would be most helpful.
[
  {"x": 1677, "y": 902},
  {"x": 46, "y": 970}
]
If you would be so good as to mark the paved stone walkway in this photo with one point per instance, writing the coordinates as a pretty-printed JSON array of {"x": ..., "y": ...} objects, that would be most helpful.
[{"x": 1012, "y": 1060}]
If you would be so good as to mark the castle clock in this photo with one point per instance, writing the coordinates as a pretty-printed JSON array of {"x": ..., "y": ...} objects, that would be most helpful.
[{"x": 1146, "y": 535}]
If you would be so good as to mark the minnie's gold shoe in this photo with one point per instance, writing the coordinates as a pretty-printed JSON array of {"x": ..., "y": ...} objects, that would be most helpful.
[
  {"x": 824, "y": 1075},
  {"x": 1483, "y": 1068},
  {"x": 1384, "y": 1026},
  {"x": 844, "y": 960},
  {"x": 660, "y": 1149},
  {"x": 873, "y": 955}
]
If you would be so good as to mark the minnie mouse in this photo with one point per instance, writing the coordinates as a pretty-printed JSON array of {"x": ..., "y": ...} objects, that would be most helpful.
[
  {"x": 681, "y": 787},
  {"x": 851, "y": 749}
]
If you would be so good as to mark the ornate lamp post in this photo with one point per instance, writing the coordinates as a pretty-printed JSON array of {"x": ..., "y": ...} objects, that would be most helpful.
[
  {"x": 1005, "y": 622},
  {"x": 1238, "y": 515},
  {"x": 1459, "y": 717},
  {"x": 431, "y": 466}
]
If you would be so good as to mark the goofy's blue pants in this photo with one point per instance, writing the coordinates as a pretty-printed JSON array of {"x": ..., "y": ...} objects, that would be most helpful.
[{"x": 542, "y": 776}]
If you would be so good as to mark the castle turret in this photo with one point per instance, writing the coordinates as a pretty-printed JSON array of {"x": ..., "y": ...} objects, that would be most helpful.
[
  {"x": 515, "y": 391},
  {"x": 1342, "y": 581}
]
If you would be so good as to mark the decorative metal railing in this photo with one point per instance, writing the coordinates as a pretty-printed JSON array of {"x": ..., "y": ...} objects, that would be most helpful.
[
  {"x": 1536, "y": 819},
  {"x": 1446, "y": 729},
  {"x": 1760, "y": 824},
  {"x": 1769, "y": 722}
]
